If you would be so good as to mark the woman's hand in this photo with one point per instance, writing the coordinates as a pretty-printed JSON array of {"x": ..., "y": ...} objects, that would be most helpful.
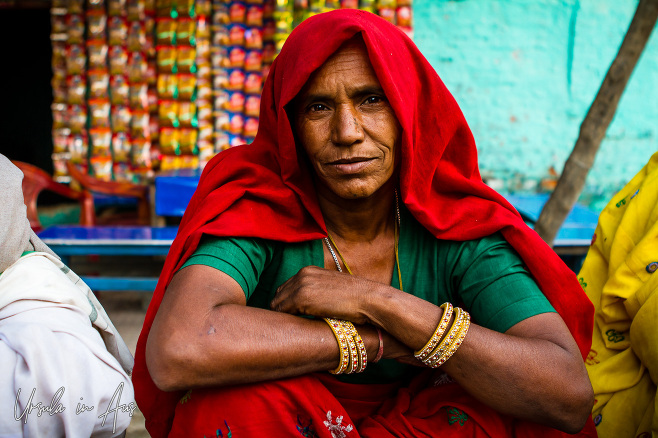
[{"x": 323, "y": 293}]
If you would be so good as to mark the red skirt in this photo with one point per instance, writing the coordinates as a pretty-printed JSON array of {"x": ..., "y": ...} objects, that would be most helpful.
[{"x": 321, "y": 406}]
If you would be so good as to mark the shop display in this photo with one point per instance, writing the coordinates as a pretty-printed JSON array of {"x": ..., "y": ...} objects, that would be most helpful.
[{"x": 147, "y": 85}]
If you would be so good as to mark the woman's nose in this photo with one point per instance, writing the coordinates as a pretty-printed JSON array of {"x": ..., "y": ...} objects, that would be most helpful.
[{"x": 346, "y": 129}]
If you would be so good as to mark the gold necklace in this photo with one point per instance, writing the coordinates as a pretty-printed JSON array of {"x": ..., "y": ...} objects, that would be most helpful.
[{"x": 329, "y": 241}]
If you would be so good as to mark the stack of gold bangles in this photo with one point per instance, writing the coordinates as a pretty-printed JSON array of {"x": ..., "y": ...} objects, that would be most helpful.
[
  {"x": 437, "y": 351},
  {"x": 353, "y": 354}
]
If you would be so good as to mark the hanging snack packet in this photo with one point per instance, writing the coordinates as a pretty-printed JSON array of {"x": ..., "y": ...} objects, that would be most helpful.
[
  {"x": 166, "y": 59},
  {"x": 253, "y": 38},
  {"x": 79, "y": 148},
  {"x": 140, "y": 125},
  {"x": 119, "y": 90},
  {"x": 123, "y": 172},
  {"x": 75, "y": 59},
  {"x": 97, "y": 52},
  {"x": 254, "y": 15},
  {"x": 222, "y": 141},
  {"x": 167, "y": 86},
  {"x": 236, "y": 34},
  {"x": 185, "y": 8},
  {"x": 121, "y": 147},
  {"x": 99, "y": 81},
  {"x": 60, "y": 118},
  {"x": 185, "y": 59},
  {"x": 187, "y": 114},
  {"x": 137, "y": 67},
  {"x": 236, "y": 56},
  {"x": 203, "y": 89},
  {"x": 404, "y": 16},
  {"x": 77, "y": 118},
  {"x": 101, "y": 139},
  {"x": 203, "y": 7},
  {"x": 204, "y": 110},
  {"x": 188, "y": 138},
  {"x": 186, "y": 32},
  {"x": 186, "y": 86},
  {"x": 236, "y": 79},
  {"x": 99, "y": 112},
  {"x": 169, "y": 141},
  {"x": 61, "y": 140},
  {"x": 141, "y": 153},
  {"x": 121, "y": 118},
  {"x": 76, "y": 6},
  {"x": 222, "y": 121},
  {"x": 76, "y": 86},
  {"x": 237, "y": 11},
  {"x": 96, "y": 24},
  {"x": 205, "y": 130},
  {"x": 236, "y": 123},
  {"x": 118, "y": 60},
  {"x": 168, "y": 113},
  {"x": 165, "y": 31},
  {"x": 253, "y": 82},
  {"x": 136, "y": 10},
  {"x": 236, "y": 101},
  {"x": 252, "y": 105},
  {"x": 102, "y": 167},
  {"x": 117, "y": 31},
  {"x": 139, "y": 99},
  {"x": 250, "y": 127},
  {"x": 116, "y": 8},
  {"x": 253, "y": 61},
  {"x": 95, "y": 5},
  {"x": 76, "y": 29}
]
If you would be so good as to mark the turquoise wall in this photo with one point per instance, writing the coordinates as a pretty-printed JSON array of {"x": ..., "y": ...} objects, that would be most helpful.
[{"x": 525, "y": 73}]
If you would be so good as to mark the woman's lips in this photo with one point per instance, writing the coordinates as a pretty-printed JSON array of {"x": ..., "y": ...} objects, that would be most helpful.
[{"x": 351, "y": 166}]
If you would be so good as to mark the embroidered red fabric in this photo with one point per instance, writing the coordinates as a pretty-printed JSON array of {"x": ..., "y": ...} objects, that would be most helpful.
[{"x": 265, "y": 190}]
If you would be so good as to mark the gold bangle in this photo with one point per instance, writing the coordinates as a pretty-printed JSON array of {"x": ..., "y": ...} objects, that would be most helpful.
[
  {"x": 343, "y": 346},
  {"x": 424, "y": 352},
  {"x": 447, "y": 340},
  {"x": 456, "y": 343},
  {"x": 348, "y": 327},
  {"x": 362, "y": 357}
]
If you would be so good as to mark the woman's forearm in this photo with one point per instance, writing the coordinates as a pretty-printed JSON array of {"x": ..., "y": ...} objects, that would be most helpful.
[
  {"x": 238, "y": 344},
  {"x": 534, "y": 371}
]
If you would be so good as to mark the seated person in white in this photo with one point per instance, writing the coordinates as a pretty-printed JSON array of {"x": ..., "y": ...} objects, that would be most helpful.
[{"x": 64, "y": 369}]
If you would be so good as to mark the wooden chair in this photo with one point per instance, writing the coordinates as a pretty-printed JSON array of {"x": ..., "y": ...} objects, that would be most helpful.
[
  {"x": 114, "y": 188},
  {"x": 36, "y": 180}
]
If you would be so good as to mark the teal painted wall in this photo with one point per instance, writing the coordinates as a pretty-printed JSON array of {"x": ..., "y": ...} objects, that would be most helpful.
[{"x": 525, "y": 73}]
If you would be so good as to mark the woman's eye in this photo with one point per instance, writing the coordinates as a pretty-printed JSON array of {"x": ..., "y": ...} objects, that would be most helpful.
[
  {"x": 317, "y": 107},
  {"x": 373, "y": 99}
]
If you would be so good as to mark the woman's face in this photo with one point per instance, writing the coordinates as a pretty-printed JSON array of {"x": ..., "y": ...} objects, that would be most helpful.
[{"x": 346, "y": 125}]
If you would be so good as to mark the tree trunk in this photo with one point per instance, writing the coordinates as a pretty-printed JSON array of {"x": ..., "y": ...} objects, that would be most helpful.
[{"x": 596, "y": 122}]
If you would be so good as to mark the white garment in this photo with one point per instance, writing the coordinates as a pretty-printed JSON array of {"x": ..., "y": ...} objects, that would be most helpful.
[{"x": 60, "y": 349}]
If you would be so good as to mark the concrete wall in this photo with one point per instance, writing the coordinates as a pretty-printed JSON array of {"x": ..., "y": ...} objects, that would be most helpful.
[{"x": 525, "y": 73}]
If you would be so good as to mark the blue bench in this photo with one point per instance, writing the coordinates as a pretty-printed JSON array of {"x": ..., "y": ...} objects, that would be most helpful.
[{"x": 67, "y": 241}]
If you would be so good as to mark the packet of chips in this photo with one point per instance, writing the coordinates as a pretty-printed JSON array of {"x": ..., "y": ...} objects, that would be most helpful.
[
  {"x": 188, "y": 138},
  {"x": 76, "y": 6},
  {"x": 237, "y": 11},
  {"x": 236, "y": 123},
  {"x": 119, "y": 90},
  {"x": 250, "y": 127},
  {"x": 97, "y": 51},
  {"x": 99, "y": 113},
  {"x": 101, "y": 139},
  {"x": 252, "y": 105},
  {"x": 75, "y": 59},
  {"x": 96, "y": 24},
  {"x": 187, "y": 114},
  {"x": 166, "y": 58},
  {"x": 139, "y": 96},
  {"x": 141, "y": 153},
  {"x": 117, "y": 31},
  {"x": 165, "y": 31},
  {"x": 61, "y": 140},
  {"x": 186, "y": 86},
  {"x": 99, "y": 81},
  {"x": 76, "y": 28},
  {"x": 116, "y": 8},
  {"x": 60, "y": 118},
  {"x": 140, "y": 125},
  {"x": 76, "y": 116},
  {"x": 102, "y": 167},
  {"x": 79, "y": 148},
  {"x": 185, "y": 59},
  {"x": 168, "y": 113},
  {"x": 186, "y": 32},
  {"x": 121, "y": 118},
  {"x": 136, "y": 10},
  {"x": 118, "y": 60},
  {"x": 204, "y": 110},
  {"x": 170, "y": 141},
  {"x": 121, "y": 147},
  {"x": 167, "y": 86},
  {"x": 76, "y": 87}
]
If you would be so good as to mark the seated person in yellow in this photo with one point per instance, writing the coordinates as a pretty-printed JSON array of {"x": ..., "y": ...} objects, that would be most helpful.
[{"x": 619, "y": 276}]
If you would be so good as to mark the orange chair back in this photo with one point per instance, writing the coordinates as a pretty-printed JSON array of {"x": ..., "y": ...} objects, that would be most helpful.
[{"x": 36, "y": 180}]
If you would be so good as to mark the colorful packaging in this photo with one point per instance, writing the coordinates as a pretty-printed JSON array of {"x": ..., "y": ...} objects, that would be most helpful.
[{"x": 119, "y": 90}]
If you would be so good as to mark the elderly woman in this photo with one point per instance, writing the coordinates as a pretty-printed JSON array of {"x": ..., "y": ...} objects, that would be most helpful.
[{"x": 355, "y": 236}]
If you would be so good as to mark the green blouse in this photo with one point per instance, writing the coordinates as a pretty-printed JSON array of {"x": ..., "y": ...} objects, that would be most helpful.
[{"x": 485, "y": 276}]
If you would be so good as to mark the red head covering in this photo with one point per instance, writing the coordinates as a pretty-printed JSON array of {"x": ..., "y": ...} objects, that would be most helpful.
[{"x": 265, "y": 189}]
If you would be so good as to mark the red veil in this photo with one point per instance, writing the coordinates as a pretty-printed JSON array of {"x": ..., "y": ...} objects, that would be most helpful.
[{"x": 265, "y": 189}]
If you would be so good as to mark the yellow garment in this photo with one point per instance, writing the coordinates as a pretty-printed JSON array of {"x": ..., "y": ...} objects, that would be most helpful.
[{"x": 620, "y": 276}]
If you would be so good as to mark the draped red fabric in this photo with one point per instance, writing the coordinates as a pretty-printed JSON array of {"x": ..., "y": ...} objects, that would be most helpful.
[{"x": 265, "y": 189}]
